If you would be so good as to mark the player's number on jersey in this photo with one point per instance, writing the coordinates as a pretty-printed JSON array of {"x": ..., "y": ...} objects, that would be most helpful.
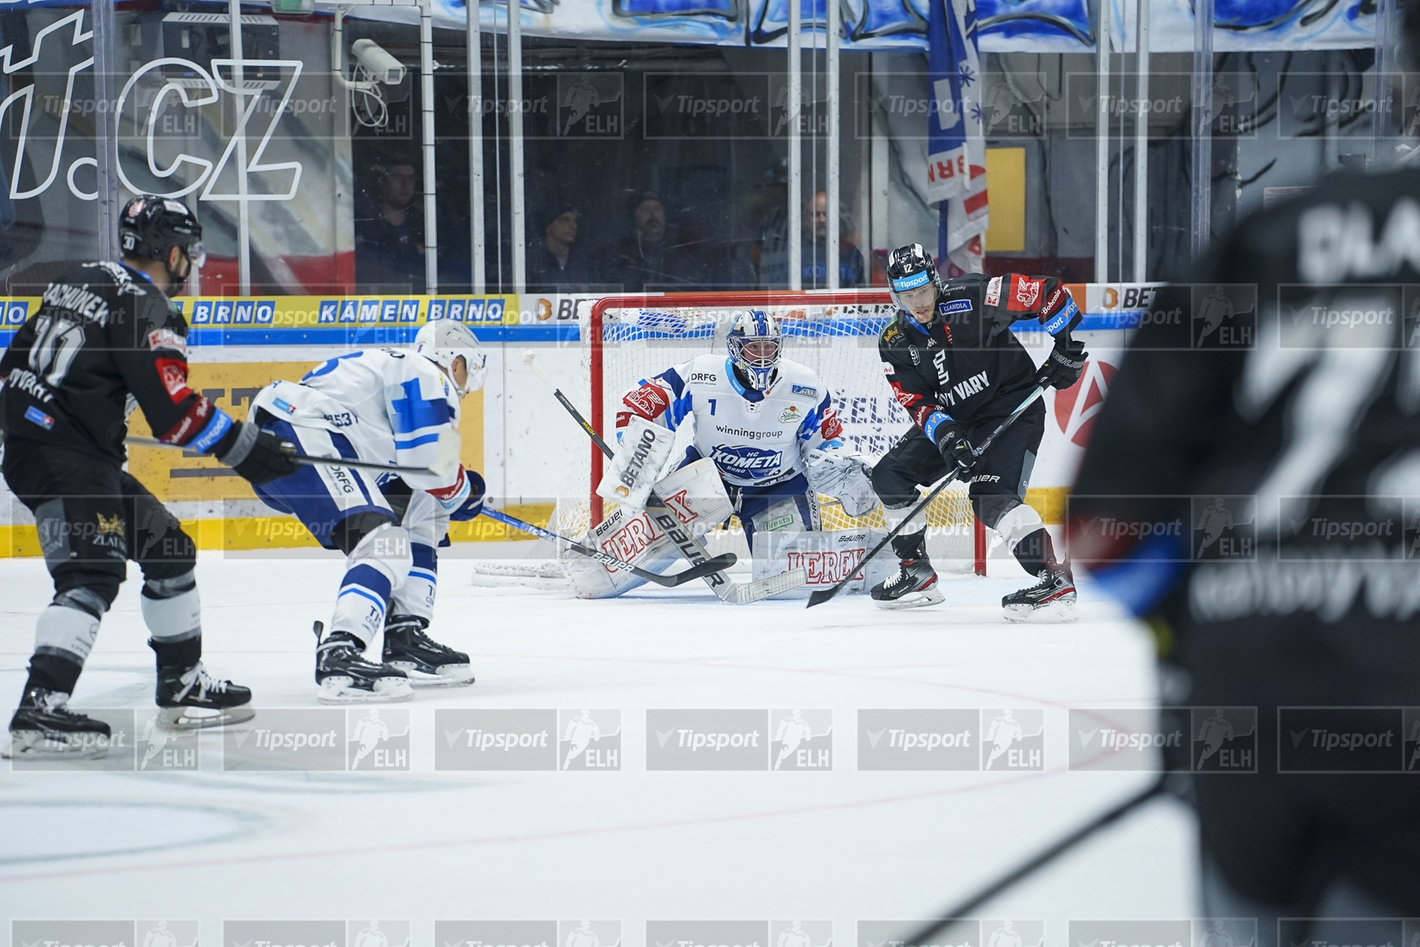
[{"x": 57, "y": 343}]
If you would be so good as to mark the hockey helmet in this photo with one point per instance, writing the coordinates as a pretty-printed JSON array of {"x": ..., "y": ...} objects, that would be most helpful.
[
  {"x": 912, "y": 278},
  {"x": 754, "y": 342},
  {"x": 443, "y": 341},
  {"x": 150, "y": 225}
]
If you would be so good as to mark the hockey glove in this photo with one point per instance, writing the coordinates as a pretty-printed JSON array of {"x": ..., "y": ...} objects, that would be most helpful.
[
  {"x": 1064, "y": 365},
  {"x": 956, "y": 450},
  {"x": 473, "y": 505},
  {"x": 257, "y": 455}
]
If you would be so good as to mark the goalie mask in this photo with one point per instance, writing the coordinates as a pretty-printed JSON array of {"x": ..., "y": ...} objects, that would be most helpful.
[
  {"x": 754, "y": 342},
  {"x": 443, "y": 342},
  {"x": 913, "y": 281}
]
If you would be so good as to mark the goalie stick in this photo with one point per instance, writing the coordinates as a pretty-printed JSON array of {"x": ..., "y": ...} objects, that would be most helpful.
[
  {"x": 311, "y": 461},
  {"x": 736, "y": 593},
  {"x": 823, "y": 595},
  {"x": 696, "y": 571}
]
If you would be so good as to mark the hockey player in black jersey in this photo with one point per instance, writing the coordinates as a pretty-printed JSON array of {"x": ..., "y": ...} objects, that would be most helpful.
[
  {"x": 957, "y": 369},
  {"x": 105, "y": 338}
]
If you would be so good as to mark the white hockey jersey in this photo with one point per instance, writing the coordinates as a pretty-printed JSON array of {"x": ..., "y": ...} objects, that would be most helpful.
[
  {"x": 753, "y": 438},
  {"x": 393, "y": 406}
]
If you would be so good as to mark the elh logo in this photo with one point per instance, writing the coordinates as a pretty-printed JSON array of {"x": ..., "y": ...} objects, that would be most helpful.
[
  {"x": 1013, "y": 933},
  {"x": 590, "y": 106},
  {"x": 1013, "y": 740},
  {"x": 588, "y": 934},
  {"x": 377, "y": 933},
  {"x": 1224, "y": 527},
  {"x": 379, "y": 740},
  {"x": 166, "y": 933},
  {"x": 801, "y": 739},
  {"x": 1225, "y": 740},
  {"x": 800, "y": 933},
  {"x": 589, "y": 739},
  {"x": 161, "y": 749}
]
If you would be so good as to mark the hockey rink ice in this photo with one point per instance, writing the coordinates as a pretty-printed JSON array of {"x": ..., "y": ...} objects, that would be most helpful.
[{"x": 234, "y": 832}]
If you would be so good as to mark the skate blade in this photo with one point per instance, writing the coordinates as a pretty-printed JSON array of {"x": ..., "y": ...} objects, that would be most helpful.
[
  {"x": 1052, "y": 613},
  {"x": 182, "y": 719},
  {"x": 33, "y": 745},
  {"x": 928, "y": 596},
  {"x": 450, "y": 675},
  {"x": 337, "y": 690}
]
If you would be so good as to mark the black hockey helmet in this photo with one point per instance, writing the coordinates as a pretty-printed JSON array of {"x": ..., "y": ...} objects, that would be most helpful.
[
  {"x": 912, "y": 277},
  {"x": 150, "y": 225}
]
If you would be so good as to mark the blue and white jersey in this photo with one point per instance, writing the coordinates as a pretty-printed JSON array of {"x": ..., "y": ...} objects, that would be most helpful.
[
  {"x": 392, "y": 406},
  {"x": 754, "y": 438}
]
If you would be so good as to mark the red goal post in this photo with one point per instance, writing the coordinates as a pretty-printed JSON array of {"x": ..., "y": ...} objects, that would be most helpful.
[{"x": 629, "y": 337}]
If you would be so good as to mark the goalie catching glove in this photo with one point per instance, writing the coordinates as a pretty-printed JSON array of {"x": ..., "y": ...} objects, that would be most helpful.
[{"x": 844, "y": 476}]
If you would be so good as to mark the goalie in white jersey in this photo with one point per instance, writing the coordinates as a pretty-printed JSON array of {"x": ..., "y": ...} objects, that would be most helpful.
[
  {"x": 768, "y": 426},
  {"x": 389, "y": 407}
]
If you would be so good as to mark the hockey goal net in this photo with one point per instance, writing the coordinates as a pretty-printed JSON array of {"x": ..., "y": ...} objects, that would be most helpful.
[{"x": 627, "y": 338}]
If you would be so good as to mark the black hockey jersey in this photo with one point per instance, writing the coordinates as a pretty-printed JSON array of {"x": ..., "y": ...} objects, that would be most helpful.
[
  {"x": 103, "y": 334},
  {"x": 967, "y": 368}
]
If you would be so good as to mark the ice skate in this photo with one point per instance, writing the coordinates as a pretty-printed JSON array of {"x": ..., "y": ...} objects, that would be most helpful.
[
  {"x": 425, "y": 661},
  {"x": 192, "y": 698},
  {"x": 43, "y": 727},
  {"x": 345, "y": 677},
  {"x": 1052, "y": 600},
  {"x": 914, "y": 586}
]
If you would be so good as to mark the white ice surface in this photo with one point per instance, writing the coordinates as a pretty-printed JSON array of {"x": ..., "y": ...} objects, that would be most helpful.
[{"x": 632, "y": 845}]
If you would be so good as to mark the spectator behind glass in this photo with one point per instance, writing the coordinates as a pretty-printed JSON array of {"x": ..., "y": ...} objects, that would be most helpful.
[
  {"x": 656, "y": 257},
  {"x": 813, "y": 248},
  {"x": 389, "y": 242},
  {"x": 556, "y": 264}
]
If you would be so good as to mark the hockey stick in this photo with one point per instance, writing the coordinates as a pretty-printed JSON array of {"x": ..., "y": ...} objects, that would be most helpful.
[
  {"x": 309, "y": 461},
  {"x": 969, "y": 906},
  {"x": 699, "y": 571},
  {"x": 736, "y": 593},
  {"x": 823, "y": 595}
]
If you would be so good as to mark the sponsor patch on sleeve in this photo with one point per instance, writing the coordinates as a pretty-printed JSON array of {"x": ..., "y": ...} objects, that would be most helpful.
[
  {"x": 993, "y": 291},
  {"x": 809, "y": 390}
]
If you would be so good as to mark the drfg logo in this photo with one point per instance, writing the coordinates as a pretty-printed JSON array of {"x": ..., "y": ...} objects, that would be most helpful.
[
  {"x": 288, "y": 740},
  {"x": 506, "y": 740},
  {"x": 915, "y": 739}
]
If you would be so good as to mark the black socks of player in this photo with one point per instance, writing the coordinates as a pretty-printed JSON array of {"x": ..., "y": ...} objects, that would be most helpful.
[
  {"x": 181, "y": 654},
  {"x": 53, "y": 672},
  {"x": 910, "y": 545},
  {"x": 1035, "y": 551}
]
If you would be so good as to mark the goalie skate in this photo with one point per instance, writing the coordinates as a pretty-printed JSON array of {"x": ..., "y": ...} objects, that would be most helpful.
[
  {"x": 424, "y": 661},
  {"x": 1051, "y": 600},
  {"x": 44, "y": 727},
  {"x": 192, "y": 698},
  {"x": 345, "y": 677}
]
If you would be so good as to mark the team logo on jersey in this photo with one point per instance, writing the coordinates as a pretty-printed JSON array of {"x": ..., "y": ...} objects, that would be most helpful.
[
  {"x": 174, "y": 376},
  {"x": 750, "y": 462},
  {"x": 110, "y": 525},
  {"x": 916, "y": 358},
  {"x": 993, "y": 291},
  {"x": 1027, "y": 292},
  {"x": 809, "y": 390},
  {"x": 791, "y": 415}
]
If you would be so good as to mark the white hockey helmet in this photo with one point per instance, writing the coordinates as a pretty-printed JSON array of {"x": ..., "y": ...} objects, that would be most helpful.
[
  {"x": 443, "y": 342},
  {"x": 754, "y": 341}
]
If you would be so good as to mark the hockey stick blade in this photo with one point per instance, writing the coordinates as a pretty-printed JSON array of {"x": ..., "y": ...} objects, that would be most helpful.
[
  {"x": 698, "y": 571},
  {"x": 823, "y": 595},
  {"x": 309, "y": 461},
  {"x": 689, "y": 547}
]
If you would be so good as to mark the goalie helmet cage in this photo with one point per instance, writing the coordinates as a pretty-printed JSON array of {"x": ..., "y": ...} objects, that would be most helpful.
[{"x": 627, "y": 338}]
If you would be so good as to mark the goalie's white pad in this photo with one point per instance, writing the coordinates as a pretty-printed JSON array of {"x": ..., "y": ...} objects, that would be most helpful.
[
  {"x": 827, "y": 557},
  {"x": 643, "y": 451},
  {"x": 842, "y": 475},
  {"x": 695, "y": 493}
]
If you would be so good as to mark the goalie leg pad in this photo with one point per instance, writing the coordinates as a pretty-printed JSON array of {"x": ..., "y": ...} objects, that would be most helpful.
[
  {"x": 826, "y": 556},
  {"x": 629, "y": 535},
  {"x": 696, "y": 494}
]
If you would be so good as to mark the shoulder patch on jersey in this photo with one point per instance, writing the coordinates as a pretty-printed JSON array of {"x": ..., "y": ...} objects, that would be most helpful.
[
  {"x": 956, "y": 305},
  {"x": 891, "y": 334},
  {"x": 809, "y": 390},
  {"x": 993, "y": 291},
  {"x": 792, "y": 414}
]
